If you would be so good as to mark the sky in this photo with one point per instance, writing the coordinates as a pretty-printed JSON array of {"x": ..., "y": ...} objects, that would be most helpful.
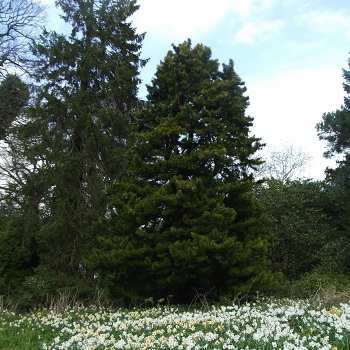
[{"x": 289, "y": 53}]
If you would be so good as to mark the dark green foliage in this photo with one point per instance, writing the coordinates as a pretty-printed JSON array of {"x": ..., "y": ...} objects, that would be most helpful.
[
  {"x": 17, "y": 258},
  {"x": 338, "y": 209},
  {"x": 312, "y": 246},
  {"x": 72, "y": 140},
  {"x": 335, "y": 129},
  {"x": 335, "y": 126},
  {"x": 183, "y": 219},
  {"x": 90, "y": 85},
  {"x": 320, "y": 284},
  {"x": 14, "y": 95},
  {"x": 303, "y": 227}
]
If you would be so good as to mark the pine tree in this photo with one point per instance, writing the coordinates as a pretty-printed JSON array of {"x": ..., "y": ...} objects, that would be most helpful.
[
  {"x": 335, "y": 126},
  {"x": 335, "y": 130},
  {"x": 184, "y": 220},
  {"x": 77, "y": 131}
]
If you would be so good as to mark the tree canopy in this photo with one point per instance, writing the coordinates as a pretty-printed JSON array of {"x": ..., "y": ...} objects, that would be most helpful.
[
  {"x": 73, "y": 137},
  {"x": 14, "y": 96},
  {"x": 183, "y": 218},
  {"x": 335, "y": 126},
  {"x": 155, "y": 198}
]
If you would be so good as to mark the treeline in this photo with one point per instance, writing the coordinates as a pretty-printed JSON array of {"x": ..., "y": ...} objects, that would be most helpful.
[{"x": 104, "y": 193}]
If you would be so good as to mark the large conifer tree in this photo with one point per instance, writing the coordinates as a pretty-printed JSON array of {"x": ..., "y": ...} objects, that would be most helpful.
[
  {"x": 183, "y": 220},
  {"x": 77, "y": 131}
]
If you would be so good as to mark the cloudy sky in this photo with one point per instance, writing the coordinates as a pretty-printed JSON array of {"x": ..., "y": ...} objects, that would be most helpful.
[{"x": 290, "y": 54}]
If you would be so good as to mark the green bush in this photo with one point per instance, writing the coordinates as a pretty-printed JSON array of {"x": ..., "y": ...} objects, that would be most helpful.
[
  {"x": 16, "y": 259},
  {"x": 296, "y": 211},
  {"x": 317, "y": 285}
]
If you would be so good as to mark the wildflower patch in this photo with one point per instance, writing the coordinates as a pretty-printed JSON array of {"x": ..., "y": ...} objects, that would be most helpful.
[{"x": 283, "y": 325}]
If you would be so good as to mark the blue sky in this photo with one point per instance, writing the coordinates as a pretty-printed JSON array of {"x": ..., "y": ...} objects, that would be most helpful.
[{"x": 290, "y": 54}]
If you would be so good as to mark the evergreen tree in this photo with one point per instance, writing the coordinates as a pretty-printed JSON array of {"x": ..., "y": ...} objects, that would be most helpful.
[
  {"x": 76, "y": 133},
  {"x": 335, "y": 126},
  {"x": 335, "y": 129},
  {"x": 18, "y": 255},
  {"x": 183, "y": 220}
]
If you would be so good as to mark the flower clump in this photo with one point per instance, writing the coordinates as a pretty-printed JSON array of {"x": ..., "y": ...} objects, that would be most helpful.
[{"x": 284, "y": 325}]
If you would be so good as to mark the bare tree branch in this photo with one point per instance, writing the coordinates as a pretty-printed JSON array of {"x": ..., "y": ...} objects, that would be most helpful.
[
  {"x": 19, "y": 23},
  {"x": 285, "y": 163}
]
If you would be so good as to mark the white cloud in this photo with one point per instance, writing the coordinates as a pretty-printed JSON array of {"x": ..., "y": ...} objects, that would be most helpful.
[
  {"x": 287, "y": 107},
  {"x": 243, "y": 8},
  {"x": 48, "y": 2},
  {"x": 325, "y": 21},
  {"x": 180, "y": 19},
  {"x": 267, "y": 3},
  {"x": 251, "y": 32}
]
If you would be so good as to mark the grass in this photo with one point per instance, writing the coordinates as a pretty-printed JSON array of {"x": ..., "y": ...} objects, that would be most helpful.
[{"x": 283, "y": 324}]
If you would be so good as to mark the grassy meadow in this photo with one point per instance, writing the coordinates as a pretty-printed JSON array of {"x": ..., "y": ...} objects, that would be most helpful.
[{"x": 281, "y": 324}]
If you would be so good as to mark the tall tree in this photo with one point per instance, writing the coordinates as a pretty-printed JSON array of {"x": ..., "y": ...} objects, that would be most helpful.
[
  {"x": 76, "y": 133},
  {"x": 19, "y": 22},
  {"x": 335, "y": 129},
  {"x": 183, "y": 219},
  {"x": 18, "y": 252}
]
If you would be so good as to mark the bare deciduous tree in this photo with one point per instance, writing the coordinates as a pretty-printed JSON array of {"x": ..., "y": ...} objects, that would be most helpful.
[
  {"x": 19, "y": 22},
  {"x": 284, "y": 163}
]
